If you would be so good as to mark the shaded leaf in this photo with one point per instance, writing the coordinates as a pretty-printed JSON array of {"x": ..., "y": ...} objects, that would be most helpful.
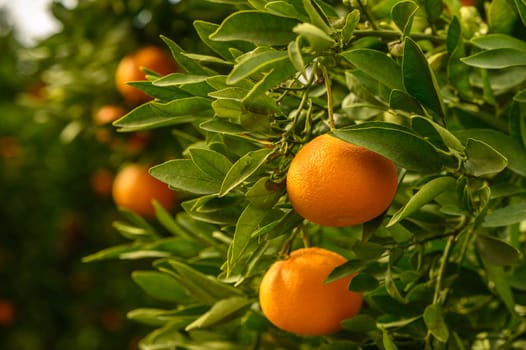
[
  {"x": 495, "y": 251},
  {"x": 419, "y": 80},
  {"x": 361, "y": 323},
  {"x": 221, "y": 311},
  {"x": 435, "y": 322},
  {"x": 509, "y": 215},
  {"x": 243, "y": 168},
  {"x": 402, "y": 14},
  {"x": 159, "y": 285},
  {"x": 395, "y": 142},
  {"x": 258, "y": 27},
  {"x": 482, "y": 159}
]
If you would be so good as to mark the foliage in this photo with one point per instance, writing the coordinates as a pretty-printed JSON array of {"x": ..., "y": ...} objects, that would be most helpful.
[{"x": 435, "y": 86}]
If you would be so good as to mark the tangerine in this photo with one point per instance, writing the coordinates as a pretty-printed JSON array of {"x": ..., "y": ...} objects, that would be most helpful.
[
  {"x": 334, "y": 183},
  {"x": 108, "y": 113},
  {"x": 130, "y": 68},
  {"x": 135, "y": 189},
  {"x": 295, "y": 298}
]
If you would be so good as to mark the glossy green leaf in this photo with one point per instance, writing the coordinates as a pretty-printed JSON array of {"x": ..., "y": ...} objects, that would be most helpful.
[
  {"x": 159, "y": 285},
  {"x": 213, "y": 210},
  {"x": 435, "y": 322},
  {"x": 258, "y": 28},
  {"x": 457, "y": 72},
  {"x": 497, "y": 58},
  {"x": 316, "y": 16},
  {"x": 504, "y": 144},
  {"x": 401, "y": 100},
  {"x": 287, "y": 9},
  {"x": 377, "y": 65},
  {"x": 205, "y": 29},
  {"x": 242, "y": 169},
  {"x": 256, "y": 62},
  {"x": 318, "y": 39},
  {"x": 436, "y": 134},
  {"x": 156, "y": 114},
  {"x": 483, "y": 159},
  {"x": 188, "y": 65},
  {"x": 419, "y": 79},
  {"x": 505, "y": 216},
  {"x": 434, "y": 9},
  {"x": 213, "y": 163},
  {"x": 395, "y": 142},
  {"x": 494, "y": 41},
  {"x": 429, "y": 191},
  {"x": 351, "y": 20},
  {"x": 520, "y": 96},
  {"x": 183, "y": 174},
  {"x": 402, "y": 14},
  {"x": 206, "y": 289},
  {"x": 391, "y": 287},
  {"x": 295, "y": 56},
  {"x": 221, "y": 311},
  {"x": 496, "y": 251}
]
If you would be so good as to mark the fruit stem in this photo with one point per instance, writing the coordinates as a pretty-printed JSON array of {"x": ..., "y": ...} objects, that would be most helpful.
[
  {"x": 285, "y": 250},
  {"x": 438, "y": 296},
  {"x": 330, "y": 106}
]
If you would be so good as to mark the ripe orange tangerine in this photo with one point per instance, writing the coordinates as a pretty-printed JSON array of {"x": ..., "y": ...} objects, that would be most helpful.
[
  {"x": 135, "y": 189},
  {"x": 334, "y": 183},
  {"x": 294, "y": 297},
  {"x": 130, "y": 69}
]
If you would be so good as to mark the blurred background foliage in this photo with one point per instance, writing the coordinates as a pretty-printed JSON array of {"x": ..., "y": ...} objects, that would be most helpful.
[{"x": 56, "y": 166}]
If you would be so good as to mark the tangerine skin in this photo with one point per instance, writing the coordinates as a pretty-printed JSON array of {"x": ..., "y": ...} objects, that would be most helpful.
[
  {"x": 135, "y": 189},
  {"x": 130, "y": 69},
  {"x": 334, "y": 183},
  {"x": 294, "y": 297}
]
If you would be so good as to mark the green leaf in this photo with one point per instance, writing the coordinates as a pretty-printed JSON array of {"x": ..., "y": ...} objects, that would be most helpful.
[
  {"x": 495, "y": 251},
  {"x": 521, "y": 8},
  {"x": 363, "y": 282},
  {"x": 316, "y": 16},
  {"x": 435, "y": 322},
  {"x": 388, "y": 342},
  {"x": 499, "y": 278},
  {"x": 400, "y": 100},
  {"x": 395, "y": 142},
  {"x": 436, "y": 134},
  {"x": 213, "y": 210},
  {"x": 256, "y": 62},
  {"x": 497, "y": 58},
  {"x": 361, "y": 323},
  {"x": 457, "y": 71},
  {"x": 429, "y": 191},
  {"x": 183, "y": 174},
  {"x": 187, "y": 64},
  {"x": 504, "y": 144},
  {"x": 294, "y": 52},
  {"x": 206, "y": 289},
  {"x": 260, "y": 28},
  {"x": 494, "y": 41},
  {"x": 210, "y": 162},
  {"x": 351, "y": 20},
  {"x": 419, "y": 80},
  {"x": 221, "y": 311},
  {"x": 505, "y": 216},
  {"x": 156, "y": 114},
  {"x": 377, "y": 65},
  {"x": 112, "y": 252},
  {"x": 243, "y": 168},
  {"x": 287, "y": 9},
  {"x": 205, "y": 29},
  {"x": 391, "y": 287},
  {"x": 434, "y": 9},
  {"x": 160, "y": 286},
  {"x": 501, "y": 16},
  {"x": 482, "y": 159},
  {"x": 317, "y": 38},
  {"x": 402, "y": 14}
]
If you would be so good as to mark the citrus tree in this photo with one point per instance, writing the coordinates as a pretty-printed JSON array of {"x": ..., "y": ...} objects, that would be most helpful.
[{"x": 433, "y": 91}]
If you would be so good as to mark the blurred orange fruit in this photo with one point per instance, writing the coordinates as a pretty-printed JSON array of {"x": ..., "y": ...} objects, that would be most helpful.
[
  {"x": 130, "y": 69},
  {"x": 108, "y": 114},
  {"x": 334, "y": 183},
  {"x": 135, "y": 189}
]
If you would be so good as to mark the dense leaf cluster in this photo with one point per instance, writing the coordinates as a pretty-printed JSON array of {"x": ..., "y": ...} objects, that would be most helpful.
[{"x": 438, "y": 87}]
